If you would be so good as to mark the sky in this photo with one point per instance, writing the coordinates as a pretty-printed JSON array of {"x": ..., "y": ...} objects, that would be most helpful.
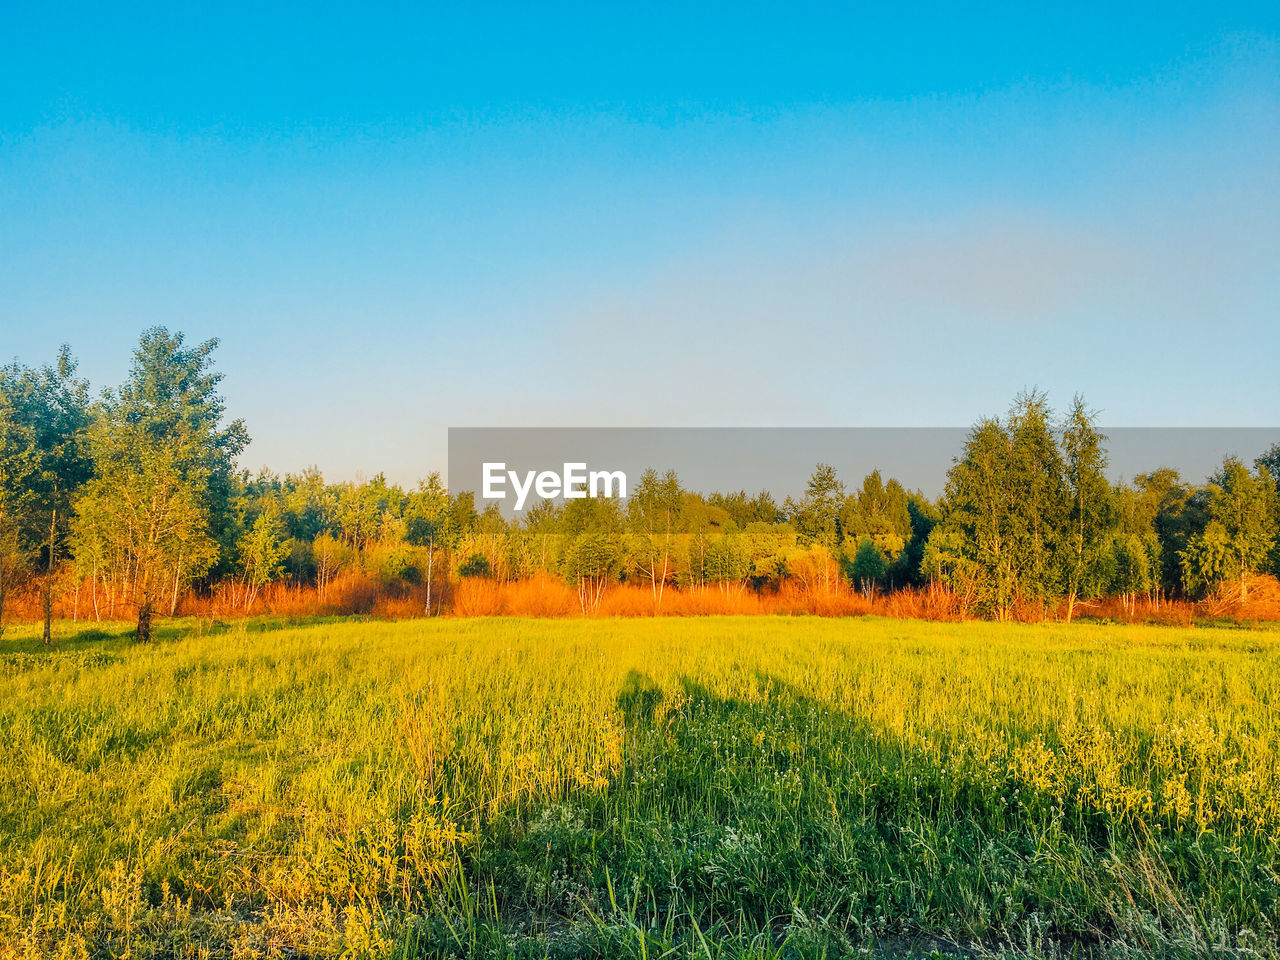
[{"x": 398, "y": 219}]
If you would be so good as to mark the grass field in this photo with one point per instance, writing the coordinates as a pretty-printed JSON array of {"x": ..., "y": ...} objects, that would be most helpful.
[{"x": 719, "y": 787}]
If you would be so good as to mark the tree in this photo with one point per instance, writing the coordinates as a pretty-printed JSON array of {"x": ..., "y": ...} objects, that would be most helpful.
[
  {"x": 262, "y": 553},
  {"x": 331, "y": 555},
  {"x": 591, "y": 561},
  {"x": 1270, "y": 461},
  {"x": 817, "y": 515},
  {"x": 162, "y": 460},
  {"x": 1175, "y": 515},
  {"x": 1085, "y": 463},
  {"x": 1037, "y": 497},
  {"x": 1005, "y": 510},
  {"x": 1130, "y": 568},
  {"x": 430, "y": 518},
  {"x": 17, "y": 462},
  {"x": 1240, "y": 533},
  {"x": 653, "y": 509},
  {"x": 923, "y": 516},
  {"x": 975, "y": 537},
  {"x": 728, "y": 562},
  {"x": 144, "y": 504},
  {"x": 880, "y": 511},
  {"x": 869, "y": 565},
  {"x": 53, "y": 405},
  {"x": 173, "y": 386}
]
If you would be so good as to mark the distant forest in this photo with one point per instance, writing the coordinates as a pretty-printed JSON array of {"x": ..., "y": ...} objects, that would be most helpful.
[{"x": 131, "y": 502}]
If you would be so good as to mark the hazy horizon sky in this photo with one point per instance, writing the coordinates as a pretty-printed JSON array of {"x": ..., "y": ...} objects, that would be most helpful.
[{"x": 405, "y": 218}]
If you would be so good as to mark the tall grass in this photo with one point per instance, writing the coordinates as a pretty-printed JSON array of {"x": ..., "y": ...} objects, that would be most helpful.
[{"x": 747, "y": 787}]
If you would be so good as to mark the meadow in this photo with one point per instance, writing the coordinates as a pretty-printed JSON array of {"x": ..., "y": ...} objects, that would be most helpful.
[{"x": 716, "y": 787}]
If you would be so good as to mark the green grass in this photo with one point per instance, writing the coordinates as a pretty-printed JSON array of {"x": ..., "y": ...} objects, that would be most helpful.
[{"x": 736, "y": 787}]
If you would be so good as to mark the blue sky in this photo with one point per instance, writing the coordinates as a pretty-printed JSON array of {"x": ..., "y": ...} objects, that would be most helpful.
[{"x": 405, "y": 218}]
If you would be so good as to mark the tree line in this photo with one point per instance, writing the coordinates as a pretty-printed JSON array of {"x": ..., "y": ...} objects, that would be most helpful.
[{"x": 134, "y": 498}]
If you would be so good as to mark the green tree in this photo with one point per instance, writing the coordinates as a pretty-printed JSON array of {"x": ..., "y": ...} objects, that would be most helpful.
[
  {"x": 1088, "y": 516},
  {"x": 1270, "y": 461},
  {"x": 728, "y": 562},
  {"x": 144, "y": 504},
  {"x": 975, "y": 541},
  {"x": 591, "y": 562},
  {"x": 817, "y": 515},
  {"x": 1130, "y": 568},
  {"x": 331, "y": 554},
  {"x": 1176, "y": 514},
  {"x": 1004, "y": 511},
  {"x": 262, "y": 554},
  {"x": 869, "y": 565},
  {"x": 172, "y": 388},
  {"x": 17, "y": 462},
  {"x": 163, "y": 463},
  {"x": 431, "y": 525},
  {"x": 1240, "y": 533},
  {"x": 923, "y": 516},
  {"x": 1038, "y": 498},
  {"x": 653, "y": 510},
  {"x": 53, "y": 405}
]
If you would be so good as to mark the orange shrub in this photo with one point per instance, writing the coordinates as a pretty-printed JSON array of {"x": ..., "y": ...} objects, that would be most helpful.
[{"x": 544, "y": 595}]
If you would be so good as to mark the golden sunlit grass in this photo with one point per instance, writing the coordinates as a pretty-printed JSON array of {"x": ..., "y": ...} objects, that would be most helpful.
[{"x": 753, "y": 786}]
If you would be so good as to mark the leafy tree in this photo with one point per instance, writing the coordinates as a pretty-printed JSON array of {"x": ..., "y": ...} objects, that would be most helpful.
[
  {"x": 18, "y": 459},
  {"x": 1088, "y": 516},
  {"x": 869, "y": 565},
  {"x": 476, "y": 565},
  {"x": 541, "y": 528},
  {"x": 653, "y": 511},
  {"x": 1038, "y": 499},
  {"x": 330, "y": 554},
  {"x": 728, "y": 562},
  {"x": 172, "y": 389},
  {"x": 817, "y": 515},
  {"x": 591, "y": 562},
  {"x": 1005, "y": 511},
  {"x": 949, "y": 558},
  {"x": 53, "y": 406},
  {"x": 262, "y": 554},
  {"x": 431, "y": 525},
  {"x": 144, "y": 505},
  {"x": 744, "y": 509},
  {"x": 1270, "y": 461},
  {"x": 1240, "y": 533},
  {"x": 975, "y": 541},
  {"x": 1130, "y": 568},
  {"x": 163, "y": 464},
  {"x": 1176, "y": 514},
  {"x": 698, "y": 539},
  {"x": 923, "y": 516}
]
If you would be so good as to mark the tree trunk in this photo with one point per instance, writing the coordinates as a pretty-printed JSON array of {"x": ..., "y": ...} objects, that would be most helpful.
[
  {"x": 144, "y": 621},
  {"x": 177, "y": 577},
  {"x": 431, "y": 559},
  {"x": 48, "y": 579}
]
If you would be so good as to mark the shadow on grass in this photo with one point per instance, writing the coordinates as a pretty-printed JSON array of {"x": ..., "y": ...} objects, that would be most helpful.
[
  {"x": 769, "y": 813},
  {"x": 25, "y": 637}
]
